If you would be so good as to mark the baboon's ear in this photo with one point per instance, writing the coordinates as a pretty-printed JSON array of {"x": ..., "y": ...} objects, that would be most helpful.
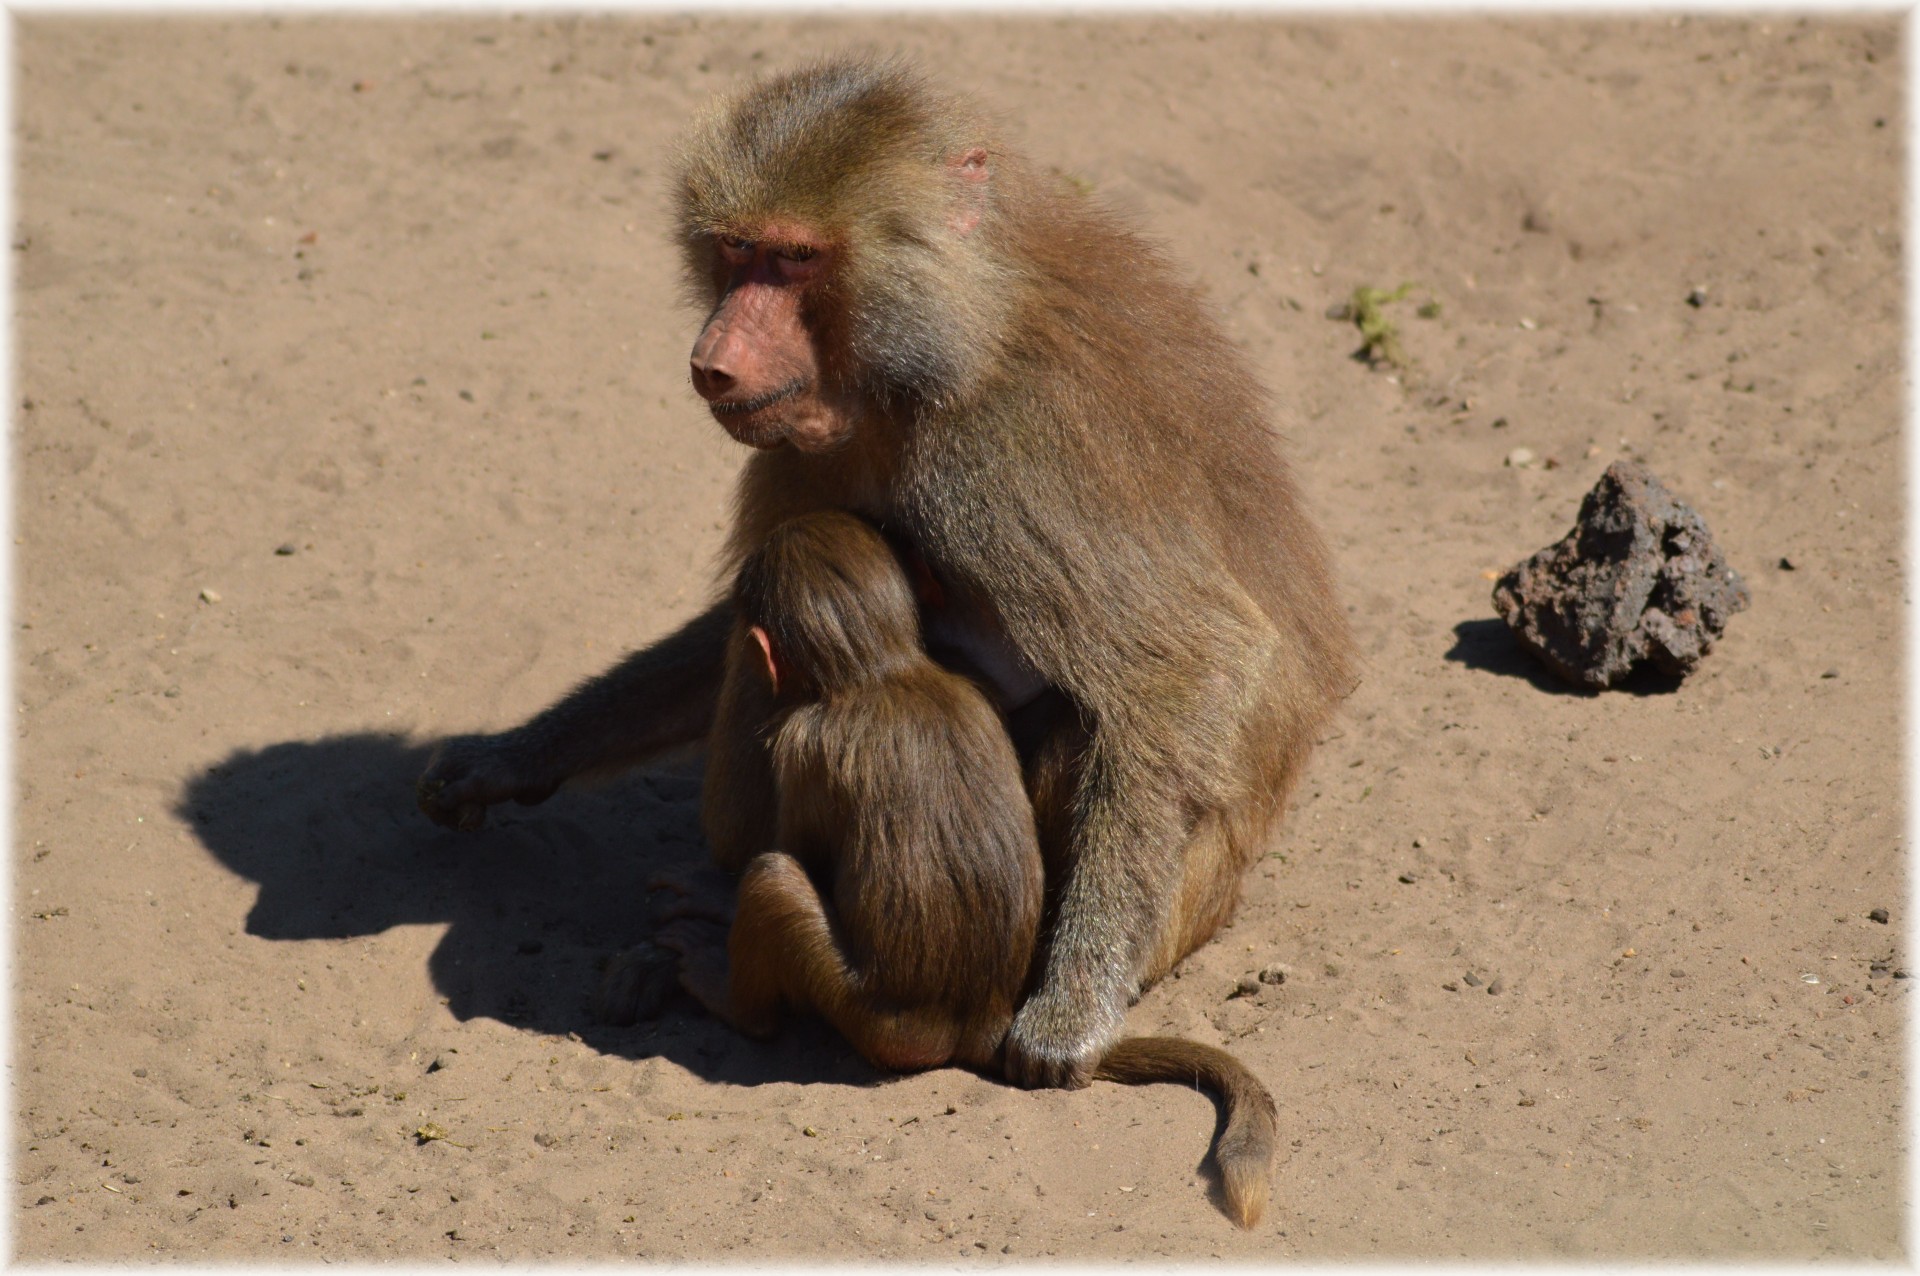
[
  {"x": 766, "y": 651},
  {"x": 970, "y": 167}
]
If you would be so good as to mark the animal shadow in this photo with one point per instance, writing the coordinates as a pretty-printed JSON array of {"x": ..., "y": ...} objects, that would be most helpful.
[
  {"x": 533, "y": 904},
  {"x": 1489, "y": 646}
]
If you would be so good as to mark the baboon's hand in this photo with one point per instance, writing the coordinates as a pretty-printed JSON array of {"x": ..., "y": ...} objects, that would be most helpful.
[
  {"x": 469, "y": 773},
  {"x": 636, "y": 982},
  {"x": 702, "y": 946},
  {"x": 1056, "y": 1041}
]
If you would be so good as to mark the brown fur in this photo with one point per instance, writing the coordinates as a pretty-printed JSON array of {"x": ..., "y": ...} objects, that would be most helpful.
[
  {"x": 900, "y": 800},
  {"x": 1020, "y": 391},
  {"x": 897, "y": 791}
]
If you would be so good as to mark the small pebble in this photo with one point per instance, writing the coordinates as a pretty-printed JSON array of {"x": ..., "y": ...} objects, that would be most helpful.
[
  {"x": 1697, "y": 298},
  {"x": 1451, "y": 986},
  {"x": 439, "y": 1064},
  {"x": 1497, "y": 987},
  {"x": 1406, "y": 879},
  {"x": 1787, "y": 565},
  {"x": 209, "y": 596},
  {"x": 1274, "y": 974},
  {"x": 467, "y": 395},
  {"x": 1247, "y": 986},
  {"x": 1878, "y": 915},
  {"x": 1899, "y": 974},
  {"x": 285, "y": 551},
  {"x": 1520, "y": 458},
  {"x": 139, "y": 1072},
  {"x": 1419, "y": 842},
  {"x": 1471, "y": 980},
  {"x": 172, "y": 693},
  {"x": 1831, "y": 673},
  {"x": 1676, "y": 973},
  {"x": 46, "y": 1200},
  {"x": 302, "y": 1180}
]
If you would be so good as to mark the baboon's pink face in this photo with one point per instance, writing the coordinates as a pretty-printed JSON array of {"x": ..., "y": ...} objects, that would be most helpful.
[{"x": 757, "y": 362}]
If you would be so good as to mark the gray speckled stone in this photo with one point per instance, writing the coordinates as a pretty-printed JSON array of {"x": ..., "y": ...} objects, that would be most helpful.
[{"x": 1639, "y": 578}]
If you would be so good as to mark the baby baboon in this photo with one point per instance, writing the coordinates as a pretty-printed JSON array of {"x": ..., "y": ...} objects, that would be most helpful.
[{"x": 903, "y": 902}]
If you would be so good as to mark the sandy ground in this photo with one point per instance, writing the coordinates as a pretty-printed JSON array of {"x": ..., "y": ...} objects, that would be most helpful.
[{"x": 351, "y": 409}]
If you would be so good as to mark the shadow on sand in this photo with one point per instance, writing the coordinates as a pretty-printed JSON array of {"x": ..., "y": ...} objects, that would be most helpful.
[
  {"x": 533, "y": 904},
  {"x": 1489, "y": 646}
]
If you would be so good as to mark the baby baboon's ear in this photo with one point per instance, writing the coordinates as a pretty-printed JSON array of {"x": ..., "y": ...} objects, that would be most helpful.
[{"x": 766, "y": 651}]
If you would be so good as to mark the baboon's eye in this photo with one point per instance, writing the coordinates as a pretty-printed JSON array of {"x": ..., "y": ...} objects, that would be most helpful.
[
  {"x": 735, "y": 247},
  {"x": 798, "y": 252}
]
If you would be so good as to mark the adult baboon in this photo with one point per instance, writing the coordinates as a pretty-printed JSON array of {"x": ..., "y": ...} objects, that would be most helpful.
[{"x": 911, "y": 322}]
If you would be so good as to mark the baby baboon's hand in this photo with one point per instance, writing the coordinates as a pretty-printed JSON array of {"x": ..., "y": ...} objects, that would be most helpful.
[
  {"x": 702, "y": 946},
  {"x": 469, "y": 773},
  {"x": 636, "y": 982}
]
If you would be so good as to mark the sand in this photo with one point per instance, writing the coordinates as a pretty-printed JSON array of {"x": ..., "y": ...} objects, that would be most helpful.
[{"x": 351, "y": 410}]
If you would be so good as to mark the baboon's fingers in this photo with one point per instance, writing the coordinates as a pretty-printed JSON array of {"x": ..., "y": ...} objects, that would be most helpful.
[
  {"x": 707, "y": 895},
  {"x": 704, "y": 974},
  {"x": 1044, "y": 1072},
  {"x": 696, "y": 908},
  {"x": 467, "y": 774},
  {"x": 689, "y": 935},
  {"x": 636, "y": 982},
  {"x": 1043, "y": 1049}
]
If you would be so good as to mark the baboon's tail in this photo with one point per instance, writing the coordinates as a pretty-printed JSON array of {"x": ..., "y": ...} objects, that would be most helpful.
[{"x": 1246, "y": 1148}]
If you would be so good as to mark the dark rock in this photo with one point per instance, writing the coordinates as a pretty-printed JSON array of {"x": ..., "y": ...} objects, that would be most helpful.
[
  {"x": 1639, "y": 578},
  {"x": 1879, "y": 915}
]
